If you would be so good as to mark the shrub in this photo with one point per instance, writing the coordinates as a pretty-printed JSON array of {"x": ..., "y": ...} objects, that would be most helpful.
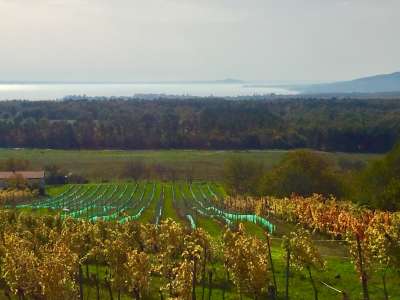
[
  {"x": 302, "y": 173},
  {"x": 379, "y": 185},
  {"x": 242, "y": 176}
]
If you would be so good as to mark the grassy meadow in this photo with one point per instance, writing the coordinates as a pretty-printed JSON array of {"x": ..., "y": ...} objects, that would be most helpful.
[{"x": 98, "y": 165}]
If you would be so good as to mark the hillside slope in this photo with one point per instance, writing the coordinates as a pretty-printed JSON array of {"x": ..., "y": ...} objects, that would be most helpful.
[{"x": 384, "y": 83}]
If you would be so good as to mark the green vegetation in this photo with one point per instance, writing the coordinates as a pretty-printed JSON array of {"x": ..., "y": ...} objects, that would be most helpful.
[
  {"x": 149, "y": 202},
  {"x": 120, "y": 200},
  {"x": 303, "y": 173},
  {"x": 379, "y": 185},
  {"x": 169, "y": 210},
  {"x": 242, "y": 176},
  {"x": 99, "y": 165},
  {"x": 195, "y": 187},
  {"x": 349, "y": 125},
  {"x": 300, "y": 172},
  {"x": 149, "y": 214},
  {"x": 338, "y": 271}
]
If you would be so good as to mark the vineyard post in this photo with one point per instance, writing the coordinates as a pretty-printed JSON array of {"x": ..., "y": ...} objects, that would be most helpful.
[
  {"x": 384, "y": 284},
  {"x": 364, "y": 279},
  {"x": 225, "y": 284},
  {"x": 203, "y": 279},
  {"x": 287, "y": 272},
  {"x": 21, "y": 295},
  {"x": 87, "y": 270},
  {"x": 271, "y": 263},
  {"x": 194, "y": 279},
  {"x": 80, "y": 282},
  {"x": 88, "y": 293},
  {"x": 210, "y": 277},
  {"x": 312, "y": 283},
  {"x": 161, "y": 294},
  {"x": 108, "y": 284},
  {"x": 7, "y": 294},
  {"x": 96, "y": 280}
]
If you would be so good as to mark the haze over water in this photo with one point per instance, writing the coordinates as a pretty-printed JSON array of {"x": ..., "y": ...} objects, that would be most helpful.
[{"x": 58, "y": 91}]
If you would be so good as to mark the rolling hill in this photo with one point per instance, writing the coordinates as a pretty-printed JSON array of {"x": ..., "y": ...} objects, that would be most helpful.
[{"x": 385, "y": 83}]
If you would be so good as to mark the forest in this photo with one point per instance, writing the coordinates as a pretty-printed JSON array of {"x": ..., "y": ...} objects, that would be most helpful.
[{"x": 347, "y": 125}]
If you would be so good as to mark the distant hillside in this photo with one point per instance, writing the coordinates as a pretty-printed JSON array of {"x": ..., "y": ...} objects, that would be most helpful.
[{"x": 374, "y": 84}]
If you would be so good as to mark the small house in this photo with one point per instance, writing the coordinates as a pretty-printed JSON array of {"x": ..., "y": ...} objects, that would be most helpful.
[{"x": 33, "y": 178}]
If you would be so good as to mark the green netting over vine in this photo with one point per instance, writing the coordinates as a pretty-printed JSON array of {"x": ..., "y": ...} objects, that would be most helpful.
[{"x": 127, "y": 201}]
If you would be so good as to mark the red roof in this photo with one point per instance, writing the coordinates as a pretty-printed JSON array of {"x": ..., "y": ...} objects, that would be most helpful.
[{"x": 24, "y": 174}]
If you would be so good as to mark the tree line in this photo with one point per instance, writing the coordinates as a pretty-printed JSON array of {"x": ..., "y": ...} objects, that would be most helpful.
[
  {"x": 351, "y": 125},
  {"x": 304, "y": 173}
]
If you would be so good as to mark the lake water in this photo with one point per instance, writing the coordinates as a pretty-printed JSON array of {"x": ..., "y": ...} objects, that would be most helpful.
[{"x": 58, "y": 91}]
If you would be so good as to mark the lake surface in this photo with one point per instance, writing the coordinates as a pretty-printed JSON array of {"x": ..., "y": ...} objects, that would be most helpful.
[{"x": 58, "y": 91}]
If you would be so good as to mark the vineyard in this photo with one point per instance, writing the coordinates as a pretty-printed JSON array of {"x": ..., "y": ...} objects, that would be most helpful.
[
  {"x": 124, "y": 202},
  {"x": 192, "y": 241}
]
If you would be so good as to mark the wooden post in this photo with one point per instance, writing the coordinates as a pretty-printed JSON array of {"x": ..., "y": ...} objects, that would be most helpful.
[
  {"x": 271, "y": 263},
  {"x": 287, "y": 273},
  {"x": 364, "y": 280},
  {"x": 210, "y": 276},
  {"x": 80, "y": 279}
]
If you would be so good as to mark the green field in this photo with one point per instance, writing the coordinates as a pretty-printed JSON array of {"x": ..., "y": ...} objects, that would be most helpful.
[
  {"x": 98, "y": 165},
  {"x": 148, "y": 202},
  {"x": 144, "y": 201}
]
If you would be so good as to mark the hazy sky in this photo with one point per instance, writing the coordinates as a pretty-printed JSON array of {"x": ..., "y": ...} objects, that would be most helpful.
[{"x": 132, "y": 40}]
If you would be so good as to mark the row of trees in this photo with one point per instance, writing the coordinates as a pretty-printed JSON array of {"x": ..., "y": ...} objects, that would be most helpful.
[
  {"x": 301, "y": 172},
  {"x": 328, "y": 124},
  {"x": 305, "y": 172}
]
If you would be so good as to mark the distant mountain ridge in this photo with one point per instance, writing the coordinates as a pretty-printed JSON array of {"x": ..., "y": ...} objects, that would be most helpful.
[{"x": 384, "y": 83}]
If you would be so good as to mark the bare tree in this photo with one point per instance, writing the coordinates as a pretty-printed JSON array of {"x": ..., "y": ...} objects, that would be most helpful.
[{"x": 135, "y": 170}]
